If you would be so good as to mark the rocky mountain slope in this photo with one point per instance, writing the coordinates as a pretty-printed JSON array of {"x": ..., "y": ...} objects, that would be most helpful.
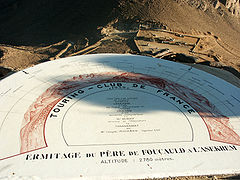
[
  {"x": 232, "y": 5},
  {"x": 36, "y": 31}
]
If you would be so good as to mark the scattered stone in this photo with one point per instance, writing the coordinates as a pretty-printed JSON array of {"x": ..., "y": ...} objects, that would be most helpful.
[
  {"x": 232, "y": 5},
  {"x": 216, "y": 4},
  {"x": 179, "y": 57},
  {"x": 216, "y": 64},
  {"x": 1, "y": 53}
]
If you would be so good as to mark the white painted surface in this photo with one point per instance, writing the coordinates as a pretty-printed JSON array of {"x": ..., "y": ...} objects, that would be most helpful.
[{"x": 117, "y": 116}]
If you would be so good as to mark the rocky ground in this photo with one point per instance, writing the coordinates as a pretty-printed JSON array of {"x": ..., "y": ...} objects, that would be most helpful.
[{"x": 33, "y": 32}]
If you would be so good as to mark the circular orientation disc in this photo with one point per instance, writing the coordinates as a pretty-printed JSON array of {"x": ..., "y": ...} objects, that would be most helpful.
[{"x": 117, "y": 116}]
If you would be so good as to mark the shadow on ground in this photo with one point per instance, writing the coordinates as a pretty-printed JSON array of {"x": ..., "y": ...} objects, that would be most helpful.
[
  {"x": 4, "y": 72},
  {"x": 26, "y": 22}
]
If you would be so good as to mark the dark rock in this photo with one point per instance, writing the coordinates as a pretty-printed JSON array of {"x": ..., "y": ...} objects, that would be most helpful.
[
  {"x": 4, "y": 71},
  {"x": 1, "y": 53},
  {"x": 179, "y": 57}
]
